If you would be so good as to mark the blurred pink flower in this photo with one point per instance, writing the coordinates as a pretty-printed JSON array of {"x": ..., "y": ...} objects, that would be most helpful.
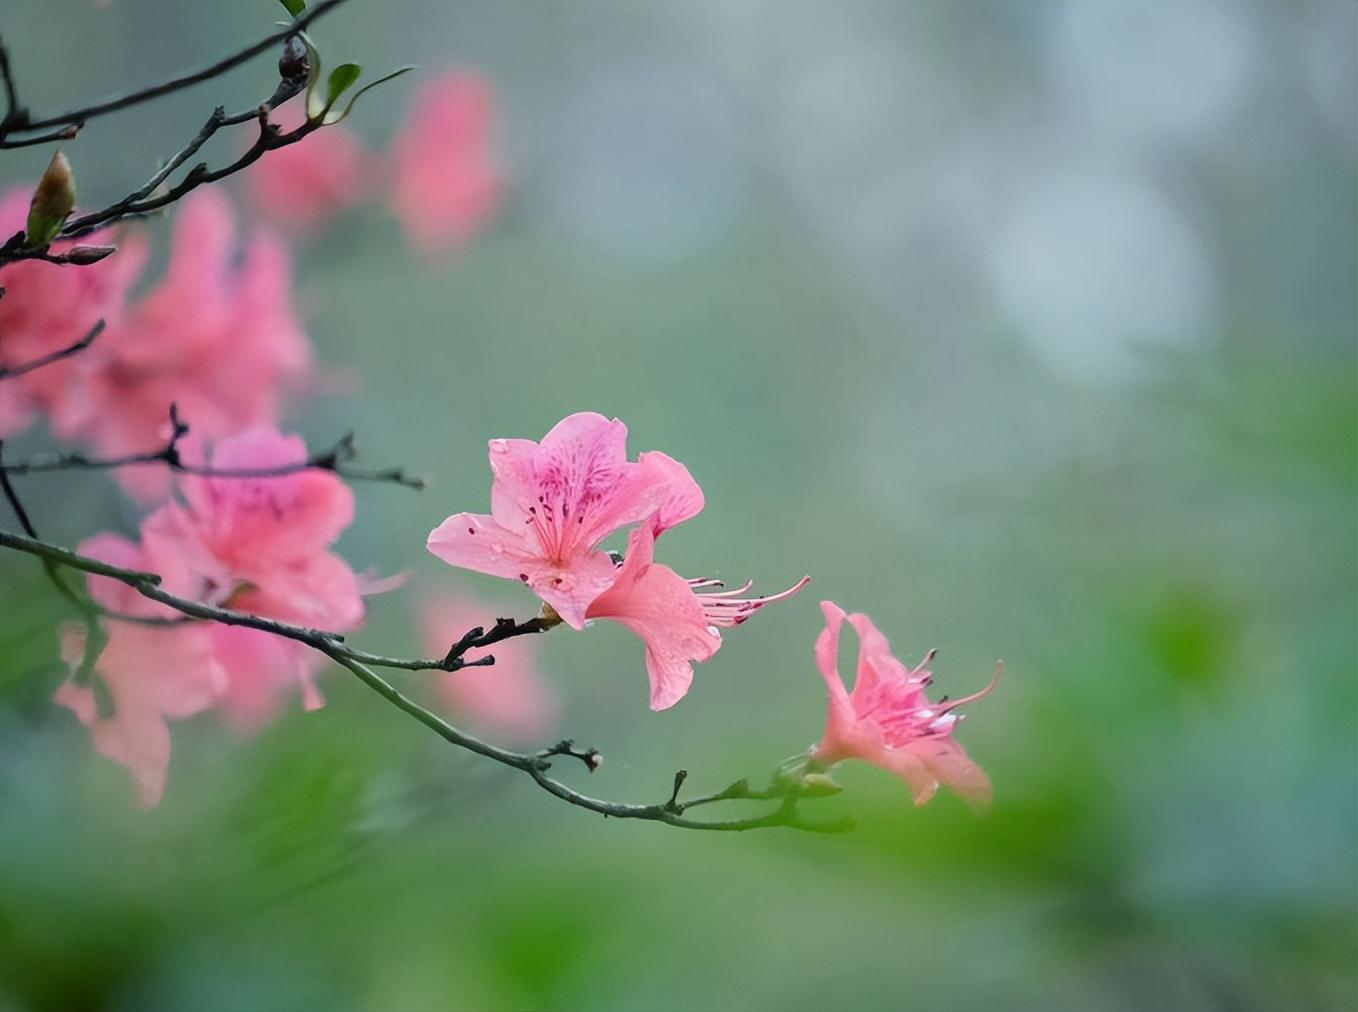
[
  {"x": 304, "y": 184},
  {"x": 553, "y": 503},
  {"x": 510, "y": 697},
  {"x": 447, "y": 180},
  {"x": 219, "y": 339},
  {"x": 678, "y": 625},
  {"x": 262, "y": 545},
  {"x": 888, "y": 720},
  {"x": 47, "y": 307},
  {"x": 151, "y": 674}
]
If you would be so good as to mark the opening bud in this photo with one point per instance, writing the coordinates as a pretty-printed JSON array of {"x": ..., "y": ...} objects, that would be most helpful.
[{"x": 53, "y": 201}]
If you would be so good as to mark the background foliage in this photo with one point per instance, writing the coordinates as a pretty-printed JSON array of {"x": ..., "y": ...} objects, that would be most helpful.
[{"x": 1027, "y": 328}]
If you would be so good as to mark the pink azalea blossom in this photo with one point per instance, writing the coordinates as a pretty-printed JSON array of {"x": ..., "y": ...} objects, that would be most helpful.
[
  {"x": 218, "y": 338},
  {"x": 447, "y": 180},
  {"x": 262, "y": 545},
  {"x": 678, "y": 625},
  {"x": 888, "y": 720},
  {"x": 151, "y": 674},
  {"x": 48, "y": 307},
  {"x": 304, "y": 184},
  {"x": 554, "y": 502},
  {"x": 510, "y": 697}
]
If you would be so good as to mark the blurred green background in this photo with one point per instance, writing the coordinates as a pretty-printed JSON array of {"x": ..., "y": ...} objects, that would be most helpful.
[{"x": 1027, "y": 328}]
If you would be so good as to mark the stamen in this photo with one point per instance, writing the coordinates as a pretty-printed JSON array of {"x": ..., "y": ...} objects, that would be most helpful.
[
  {"x": 999, "y": 671},
  {"x": 722, "y": 609}
]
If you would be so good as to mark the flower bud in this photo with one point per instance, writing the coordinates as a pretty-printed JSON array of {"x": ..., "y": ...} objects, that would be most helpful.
[
  {"x": 818, "y": 785},
  {"x": 293, "y": 64},
  {"x": 53, "y": 201},
  {"x": 83, "y": 256}
]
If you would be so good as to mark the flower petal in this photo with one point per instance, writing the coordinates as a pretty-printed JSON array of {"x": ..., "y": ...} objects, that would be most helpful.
[{"x": 658, "y": 605}]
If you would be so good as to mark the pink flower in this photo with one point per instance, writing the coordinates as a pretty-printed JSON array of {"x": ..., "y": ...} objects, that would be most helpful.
[
  {"x": 48, "y": 307},
  {"x": 304, "y": 184},
  {"x": 888, "y": 720},
  {"x": 510, "y": 697},
  {"x": 447, "y": 180},
  {"x": 678, "y": 625},
  {"x": 262, "y": 545},
  {"x": 150, "y": 674},
  {"x": 219, "y": 339},
  {"x": 553, "y": 503}
]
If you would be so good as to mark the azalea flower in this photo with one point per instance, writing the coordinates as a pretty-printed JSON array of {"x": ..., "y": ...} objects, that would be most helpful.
[
  {"x": 47, "y": 307},
  {"x": 510, "y": 698},
  {"x": 262, "y": 545},
  {"x": 149, "y": 674},
  {"x": 447, "y": 180},
  {"x": 554, "y": 502},
  {"x": 889, "y": 721},
  {"x": 219, "y": 339},
  {"x": 678, "y": 624},
  {"x": 302, "y": 185}
]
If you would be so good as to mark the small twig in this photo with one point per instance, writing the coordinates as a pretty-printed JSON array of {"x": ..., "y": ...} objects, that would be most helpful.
[
  {"x": 137, "y": 205},
  {"x": 9, "y": 372},
  {"x": 673, "y": 804},
  {"x": 176, "y": 83},
  {"x": 504, "y": 628},
  {"x": 169, "y": 456},
  {"x": 591, "y": 757}
]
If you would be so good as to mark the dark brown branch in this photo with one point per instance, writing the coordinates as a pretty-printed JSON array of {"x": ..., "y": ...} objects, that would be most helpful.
[
  {"x": 9, "y": 372},
  {"x": 21, "y": 122},
  {"x": 137, "y": 205},
  {"x": 169, "y": 456},
  {"x": 534, "y": 764}
]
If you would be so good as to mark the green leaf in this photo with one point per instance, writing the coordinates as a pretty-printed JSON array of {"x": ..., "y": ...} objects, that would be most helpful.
[
  {"x": 342, "y": 78},
  {"x": 335, "y": 117},
  {"x": 294, "y": 7}
]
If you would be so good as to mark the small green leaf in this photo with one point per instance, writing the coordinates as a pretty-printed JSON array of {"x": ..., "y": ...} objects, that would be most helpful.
[
  {"x": 335, "y": 117},
  {"x": 342, "y": 78},
  {"x": 294, "y": 7}
]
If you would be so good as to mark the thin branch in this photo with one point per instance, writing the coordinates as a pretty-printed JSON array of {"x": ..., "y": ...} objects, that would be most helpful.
[
  {"x": 135, "y": 205},
  {"x": 66, "y": 133},
  {"x": 180, "y": 81},
  {"x": 169, "y": 456},
  {"x": 535, "y": 764},
  {"x": 9, "y": 372}
]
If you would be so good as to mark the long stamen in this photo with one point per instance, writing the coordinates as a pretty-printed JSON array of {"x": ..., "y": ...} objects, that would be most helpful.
[
  {"x": 722, "y": 609},
  {"x": 999, "y": 671}
]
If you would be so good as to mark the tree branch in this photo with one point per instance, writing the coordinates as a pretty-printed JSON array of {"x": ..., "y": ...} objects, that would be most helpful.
[
  {"x": 9, "y": 372},
  {"x": 19, "y": 121},
  {"x": 169, "y": 456},
  {"x": 534, "y": 764}
]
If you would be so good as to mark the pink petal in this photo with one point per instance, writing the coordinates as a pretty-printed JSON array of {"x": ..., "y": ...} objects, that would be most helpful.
[
  {"x": 447, "y": 178},
  {"x": 261, "y": 524},
  {"x": 658, "y": 605},
  {"x": 677, "y": 497},
  {"x": 876, "y": 664}
]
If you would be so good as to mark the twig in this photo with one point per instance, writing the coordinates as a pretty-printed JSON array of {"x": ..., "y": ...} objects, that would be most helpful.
[
  {"x": 169, "y": 456},
  {"x": 185, "y": 79},
  {"x": 9, "y": 372},
  {"x": 135, "y": 206},
  {"x": 534, "y": 764}
]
